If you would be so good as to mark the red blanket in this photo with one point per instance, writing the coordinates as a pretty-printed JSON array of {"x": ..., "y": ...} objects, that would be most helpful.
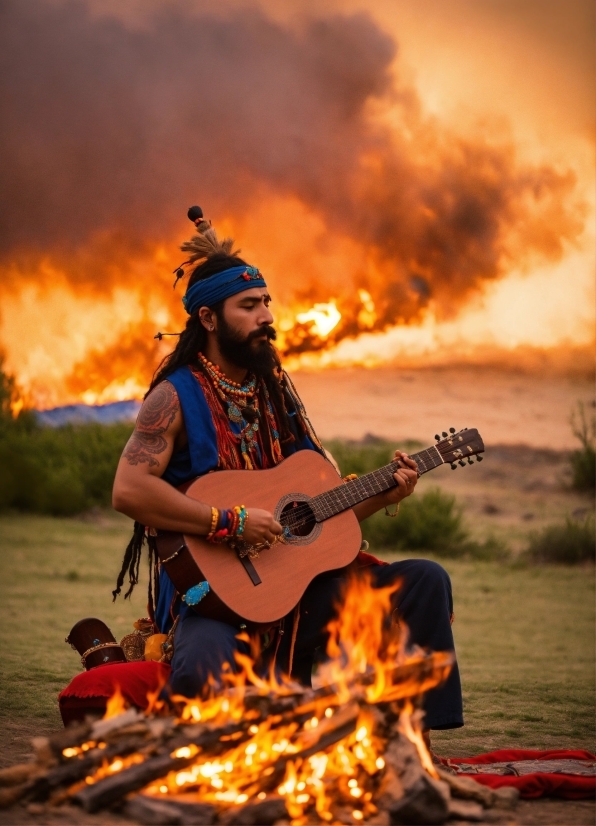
[{"x": 535, "y": 783}]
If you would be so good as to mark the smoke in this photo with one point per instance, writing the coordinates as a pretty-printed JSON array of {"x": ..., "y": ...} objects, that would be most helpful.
[{"x": 110, "y": 131}]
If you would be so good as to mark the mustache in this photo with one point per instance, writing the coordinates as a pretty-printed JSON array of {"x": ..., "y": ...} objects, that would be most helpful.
[{"x": 267, "y": 330}]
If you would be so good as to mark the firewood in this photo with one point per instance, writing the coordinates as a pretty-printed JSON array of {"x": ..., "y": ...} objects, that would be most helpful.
[
  {"x": 426, "y": 802},
  {"x": 340, "y": 726},
  {"x": 14, "y": 775},
  {"x": 102, "y": 728},
  {"x": 111, "y": 789},
  {"x": 506, "y": 797},
  {"x": 390, "y": 789},
  {"x": 260, "y": 813},
  {"x": 466, "y": 788},
  {"x": 142, "y": 809},
  {"x": 70, "y": 737},
  {"x": 11, "y": 795},
  {"x": 77, "y": 769},
  {"x": 466, "y": 810}
]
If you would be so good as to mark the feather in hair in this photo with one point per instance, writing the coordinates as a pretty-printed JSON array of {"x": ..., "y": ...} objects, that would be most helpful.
[{"x": 206, "y": 244}]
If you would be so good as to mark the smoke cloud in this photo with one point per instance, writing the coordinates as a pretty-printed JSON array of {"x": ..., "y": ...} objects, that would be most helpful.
[{"x": 111, "y": 131}]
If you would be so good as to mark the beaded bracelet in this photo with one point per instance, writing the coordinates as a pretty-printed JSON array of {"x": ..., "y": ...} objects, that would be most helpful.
[
  {"x": 227, "y": 524},
  {"x": 242, "y": 517}
]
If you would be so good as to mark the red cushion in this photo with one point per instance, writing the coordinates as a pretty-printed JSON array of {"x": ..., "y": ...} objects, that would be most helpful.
[{"x": 89, "y": 692}]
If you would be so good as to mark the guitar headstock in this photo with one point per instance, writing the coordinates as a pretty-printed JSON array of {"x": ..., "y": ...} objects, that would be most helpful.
[{"x": 455, "y": 447}]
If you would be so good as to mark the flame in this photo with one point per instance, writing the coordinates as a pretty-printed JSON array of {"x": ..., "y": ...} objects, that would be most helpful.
[
  {"x": 449, "y": 220},
  {"x": 366, "y": 645},
  {"x": 324, "y": 318},
  {"x": 116, "y": 705}
]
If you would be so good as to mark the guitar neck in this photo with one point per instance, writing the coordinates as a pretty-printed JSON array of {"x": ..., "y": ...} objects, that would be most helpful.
[{"x": 348, "y": 494}]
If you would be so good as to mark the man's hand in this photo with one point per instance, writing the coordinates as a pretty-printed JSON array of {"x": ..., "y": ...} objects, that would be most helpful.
[
  {"x": 406, "y": 478},
  {"x": 260, "y": 527}
]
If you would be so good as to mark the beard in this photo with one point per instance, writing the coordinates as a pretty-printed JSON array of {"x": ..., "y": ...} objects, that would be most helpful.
[{"x": 251, "y": 352}]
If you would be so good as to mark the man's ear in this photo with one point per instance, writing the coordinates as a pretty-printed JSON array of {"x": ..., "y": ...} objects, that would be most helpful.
[{"x": 207, "y": 318}]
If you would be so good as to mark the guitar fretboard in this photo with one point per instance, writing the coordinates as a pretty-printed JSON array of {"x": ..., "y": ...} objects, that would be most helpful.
[{"x": 348, "y": 494}]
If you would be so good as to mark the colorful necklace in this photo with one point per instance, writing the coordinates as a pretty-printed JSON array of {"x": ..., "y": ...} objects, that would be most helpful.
[{"x": 233, "y": 395}]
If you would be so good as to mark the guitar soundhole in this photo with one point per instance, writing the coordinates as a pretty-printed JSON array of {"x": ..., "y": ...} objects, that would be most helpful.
[
  {"x": 295, "y": 513},
  {"x": 299, "y": 518}
]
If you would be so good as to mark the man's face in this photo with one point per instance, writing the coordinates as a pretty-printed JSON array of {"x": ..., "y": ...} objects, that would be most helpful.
[{"x": 244, "y": 330}]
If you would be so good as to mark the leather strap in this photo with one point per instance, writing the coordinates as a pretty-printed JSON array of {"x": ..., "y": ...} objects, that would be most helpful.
[{"x": 250, "y": 570}]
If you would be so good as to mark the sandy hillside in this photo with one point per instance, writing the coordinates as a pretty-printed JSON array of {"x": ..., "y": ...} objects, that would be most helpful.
[{"x": 506, "y": 407}]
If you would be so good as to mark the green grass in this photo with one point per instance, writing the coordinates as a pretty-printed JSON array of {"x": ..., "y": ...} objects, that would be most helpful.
[
  {"x": 524, "y": 636},
  {"x": 54, "y": 572}
]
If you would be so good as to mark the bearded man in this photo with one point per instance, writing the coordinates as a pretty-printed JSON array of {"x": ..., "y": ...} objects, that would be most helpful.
[{"x": 221, "y": 400}]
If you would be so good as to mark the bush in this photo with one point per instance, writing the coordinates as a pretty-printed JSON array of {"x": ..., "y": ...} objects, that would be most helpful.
[
  {"x": 366, "y": 455},
  {"x": 569, "y": 543},
  {"x": 583, "y": 460},
  {"x": 59, "y": 471},
  {"x": 432, "y": 521}
]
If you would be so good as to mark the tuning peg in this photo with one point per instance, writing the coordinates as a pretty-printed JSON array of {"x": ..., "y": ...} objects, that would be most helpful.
[
  {"x": 470, "y": 460},
  {"x": 452, "y": 430},
  {"x": 453, "y": 466},
  {"x": 461, "y": 463},
  {"x": 444, "y": 435},
  {"x": 437, "y": 437},
  {"x": 479, "y": 458}
]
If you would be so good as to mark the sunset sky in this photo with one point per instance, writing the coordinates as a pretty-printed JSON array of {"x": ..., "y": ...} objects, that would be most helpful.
[{"x": 414, "y": 177}]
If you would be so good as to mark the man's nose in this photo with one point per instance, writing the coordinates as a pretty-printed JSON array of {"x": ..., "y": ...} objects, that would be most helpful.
[{"x": 265, "y": 316}]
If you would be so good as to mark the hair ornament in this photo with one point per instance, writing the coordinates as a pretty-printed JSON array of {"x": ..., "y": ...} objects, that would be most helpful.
[
  {"x": 159, "y": 336},
  {"x": 179, "y": 273},
  {"x": 205, "y": 243}
]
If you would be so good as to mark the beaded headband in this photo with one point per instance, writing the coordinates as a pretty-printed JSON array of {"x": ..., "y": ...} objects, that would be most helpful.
[{"x": 209, "y": 291}]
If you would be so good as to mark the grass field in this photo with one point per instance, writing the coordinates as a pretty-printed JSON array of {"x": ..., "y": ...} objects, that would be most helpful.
[{"x": 524, "y": 635}]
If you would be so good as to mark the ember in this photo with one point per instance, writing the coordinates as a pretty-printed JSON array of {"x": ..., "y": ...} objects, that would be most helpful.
[{"x": 349, "y": 750}]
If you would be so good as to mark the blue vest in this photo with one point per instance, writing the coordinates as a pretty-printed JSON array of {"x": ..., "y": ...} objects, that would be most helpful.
[{"x": 196, "y": 459}]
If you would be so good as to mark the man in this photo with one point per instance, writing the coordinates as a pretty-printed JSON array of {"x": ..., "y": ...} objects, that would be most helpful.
[{"x": 222, "y": 401}]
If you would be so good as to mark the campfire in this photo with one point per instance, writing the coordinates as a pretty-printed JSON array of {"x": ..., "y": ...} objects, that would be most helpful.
[{"x": 348, "y": 750}]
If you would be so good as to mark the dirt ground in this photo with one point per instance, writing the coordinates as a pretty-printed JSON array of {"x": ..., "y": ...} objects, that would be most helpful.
[{"x": 507, "y": 407}]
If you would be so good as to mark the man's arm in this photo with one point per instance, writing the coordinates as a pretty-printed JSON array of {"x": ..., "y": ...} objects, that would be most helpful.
[{"x": 141, "y": 493}]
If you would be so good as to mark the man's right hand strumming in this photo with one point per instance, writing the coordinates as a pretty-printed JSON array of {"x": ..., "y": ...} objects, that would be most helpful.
[{"x": 261, "y": 527}]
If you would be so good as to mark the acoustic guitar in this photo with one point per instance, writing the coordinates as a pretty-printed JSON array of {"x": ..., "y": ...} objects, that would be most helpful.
[{"x": 305, "y": 493}]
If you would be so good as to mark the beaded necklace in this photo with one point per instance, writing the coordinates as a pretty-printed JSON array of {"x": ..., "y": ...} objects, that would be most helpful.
[{"x": 240, "y": 403}]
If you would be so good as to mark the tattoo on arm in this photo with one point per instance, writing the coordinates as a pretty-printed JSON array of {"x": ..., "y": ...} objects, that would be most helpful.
[{"x": 157, "y": 414}]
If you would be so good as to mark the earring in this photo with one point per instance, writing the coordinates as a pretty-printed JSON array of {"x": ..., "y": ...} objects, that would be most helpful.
[{"x": 211, "y": 326}]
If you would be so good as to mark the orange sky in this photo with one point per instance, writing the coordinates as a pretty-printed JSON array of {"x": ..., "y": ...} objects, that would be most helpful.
[{"x": 424, "y": 172}]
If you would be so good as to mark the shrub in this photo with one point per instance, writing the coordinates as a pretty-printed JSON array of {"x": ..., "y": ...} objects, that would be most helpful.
[
  {"x": 59, "y": 471},
  {"x": 583, "y": 460},
  {"x": 432, "y": 521},
  {"x": 567, "y": 544},
  {"x": 363, "y": 456}
]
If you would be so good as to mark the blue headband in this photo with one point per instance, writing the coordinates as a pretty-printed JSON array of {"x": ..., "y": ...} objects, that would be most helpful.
[{"x": 210, "y": 291}]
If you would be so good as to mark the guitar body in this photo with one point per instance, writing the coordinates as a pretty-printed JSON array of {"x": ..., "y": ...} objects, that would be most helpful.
[{"x": 287, "y": 568}]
